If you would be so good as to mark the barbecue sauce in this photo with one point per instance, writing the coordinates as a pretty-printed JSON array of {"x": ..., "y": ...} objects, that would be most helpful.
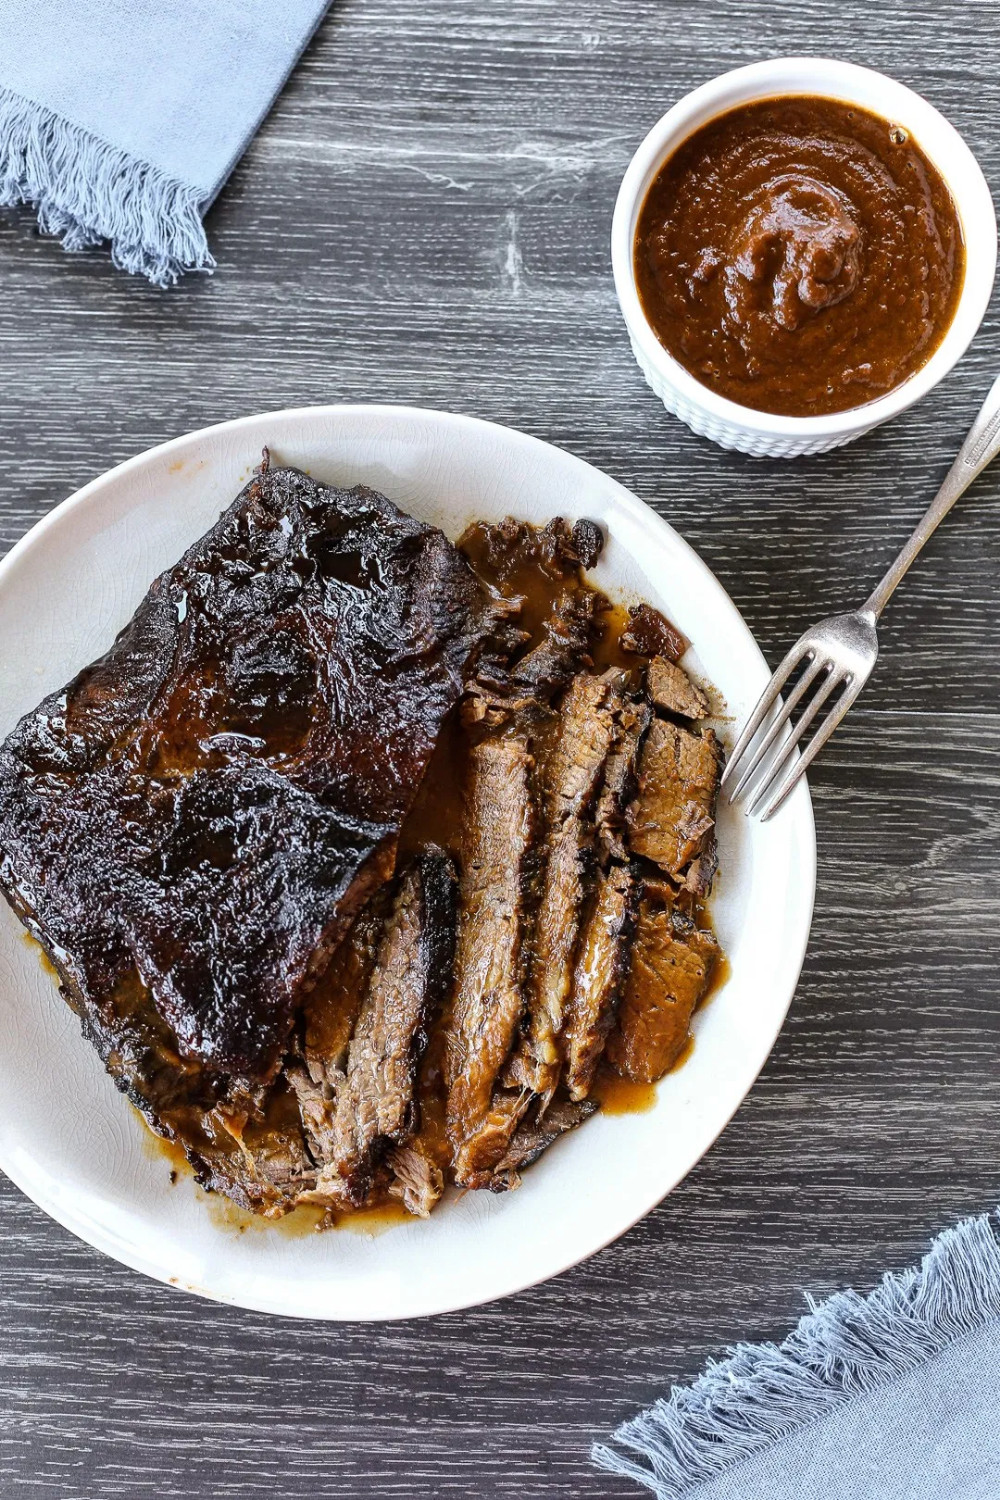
[{"x": 799, "y": 256}]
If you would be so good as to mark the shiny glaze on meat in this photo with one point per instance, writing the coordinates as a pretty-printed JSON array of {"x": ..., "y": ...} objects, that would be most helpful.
[{"x": 391, "y": 1085}]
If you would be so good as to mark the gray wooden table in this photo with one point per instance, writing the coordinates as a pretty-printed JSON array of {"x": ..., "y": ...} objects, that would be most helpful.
[{"x": 424, "y": 218}]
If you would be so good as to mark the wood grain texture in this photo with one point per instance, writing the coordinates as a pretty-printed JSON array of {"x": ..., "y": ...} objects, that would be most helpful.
[{"x": 425, "y": 218}]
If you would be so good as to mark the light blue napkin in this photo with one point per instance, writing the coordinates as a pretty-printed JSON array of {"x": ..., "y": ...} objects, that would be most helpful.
[
  {"x": 121, "y": 119},
  {"x": 894, "y": 1396}
]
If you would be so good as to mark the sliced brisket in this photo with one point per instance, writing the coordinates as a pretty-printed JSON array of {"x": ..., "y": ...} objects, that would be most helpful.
[
  {"x": 585, "y": 733},
  {"x": 671, "y": 967},
  {"x": 488, "y": 997},
  {"x": 649, "y": 633},
  {"x": 332, "y": 1006},
  {"x": 600, "y": 969},
  {"x": 671, "y": 689},
  {"x": 417, "y": 1181},
  {"x": 536, "y": 1134},
  {"x": 221, "y": 834},
  {"x": 672, "y": 819},
  {"x": 620, "y": 779},
  {"x": 376, "y": 1106}
]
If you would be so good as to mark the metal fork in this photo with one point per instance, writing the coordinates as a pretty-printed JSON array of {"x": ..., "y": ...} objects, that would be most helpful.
[{"x": 838, "y": 654}]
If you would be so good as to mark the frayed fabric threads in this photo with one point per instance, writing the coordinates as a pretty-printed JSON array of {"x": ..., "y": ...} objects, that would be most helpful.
[
  {"x": 122, "y": 120},
  {"x": 86, "y": 191},
  {"x": 846, "y": 1348}
]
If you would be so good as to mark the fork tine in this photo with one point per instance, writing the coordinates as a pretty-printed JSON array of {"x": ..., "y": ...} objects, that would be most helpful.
[
  {"x": 775, "y": 727},
  {"x": 799, "y": 653},
  {"x": 815, "y": 745},
  {"x": 834, "y": 680}
]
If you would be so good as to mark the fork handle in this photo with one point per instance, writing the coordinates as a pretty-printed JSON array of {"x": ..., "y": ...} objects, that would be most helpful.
[{"x": 980, "y": 447}]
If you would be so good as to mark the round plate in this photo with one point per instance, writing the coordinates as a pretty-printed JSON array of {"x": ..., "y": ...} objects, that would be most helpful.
[{"x": 73, "y": 1144}]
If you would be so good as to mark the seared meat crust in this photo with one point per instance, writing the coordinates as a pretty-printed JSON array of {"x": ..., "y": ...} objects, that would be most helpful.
[{"x": 206, "y": 807}]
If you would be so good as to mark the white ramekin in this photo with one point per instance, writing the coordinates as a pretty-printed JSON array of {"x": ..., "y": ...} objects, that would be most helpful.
[{"x": 760, "y": 433}]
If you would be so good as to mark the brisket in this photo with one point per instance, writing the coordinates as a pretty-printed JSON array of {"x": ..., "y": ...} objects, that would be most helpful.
[
  {"x": 376, "y": 1106},
  {"x": 649, "y": 633},
  {"x": 597, "y": 978},
  {"x": 536, "y": 1134},
  {"x": 498, "y": 827},
  {"x": 417, "y": 1181},
  {"x": 672, "y": 820},
  {"x": 332, "y": 1006},
  {"x": 564, "y": 647},
  {"x": 671, "y": 689},
  {"x": 586, "y": 729},
  {"x": 671, "y": 967},
  {"x": 560, "y": 550},
  {"x": 251, "y": 1146},
  {"x": 620, "y": 779},
  {"x": 206, "y": 807},
  {"x": 219, "y": 833},
  {"x": 539, "y": 572}
]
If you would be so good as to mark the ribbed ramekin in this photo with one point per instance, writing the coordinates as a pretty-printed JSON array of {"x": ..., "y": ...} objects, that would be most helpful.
[{"x": 762, "y": 434}]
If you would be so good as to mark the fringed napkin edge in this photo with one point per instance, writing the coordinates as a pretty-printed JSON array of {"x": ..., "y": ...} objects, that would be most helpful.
[
  {"x": 843, "y": 1348},
  {"x": 86, "y": 191}
]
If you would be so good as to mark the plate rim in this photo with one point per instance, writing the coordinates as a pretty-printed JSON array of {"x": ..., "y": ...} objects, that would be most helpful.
[{"x": 131, "y": 1255}]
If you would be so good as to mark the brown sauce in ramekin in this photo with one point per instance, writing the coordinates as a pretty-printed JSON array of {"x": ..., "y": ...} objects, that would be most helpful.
[{"x": 799, "y": 256}]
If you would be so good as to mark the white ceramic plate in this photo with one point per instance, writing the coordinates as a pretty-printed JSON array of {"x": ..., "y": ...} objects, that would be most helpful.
[{"x": 70, "y": 1141}]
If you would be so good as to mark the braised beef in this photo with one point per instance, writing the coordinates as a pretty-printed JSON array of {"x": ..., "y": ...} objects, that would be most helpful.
[
  {"x": 210, "y": 803},
  {"x": 332, "y": 1006},
  {"x": 700, "y": 873},
  {"x": 672, "y": 820},
  {"x": 584, "y": 735},
  {"x": 498, "y": 829},
  {"x": 538, "y": 570},
  {"x": 507, "y": 546},
  {"x": 671, "y": 689},
  {"x": 670, "y": 969},
  {"x": 317, "y": 1109},
  {"x": 223, "y": 834},
  {"x": 564, "y": 647},
  {"x": 601, "y": 966},
  {"x": 250, "y": 1146},
  {"x": 649, "y": 633},
  {"x": 536, "y": 1134},
  {"x": 620, "y": 779},
  {"x": 417, "y": 1181},
  {"x": 376, "y": 1105},
  {"x": 588, "y": 542}
]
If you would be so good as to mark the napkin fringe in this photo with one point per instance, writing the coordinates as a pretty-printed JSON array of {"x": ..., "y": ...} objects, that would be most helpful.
[
  {"x": 845, "y": 1347},
  {"x": 86, "y": 191}
]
